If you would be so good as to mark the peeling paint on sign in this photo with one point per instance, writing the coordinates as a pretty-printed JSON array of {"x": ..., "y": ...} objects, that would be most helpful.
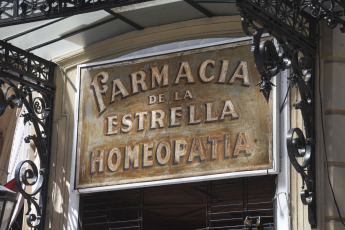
[{"x": 176, "y": 115}]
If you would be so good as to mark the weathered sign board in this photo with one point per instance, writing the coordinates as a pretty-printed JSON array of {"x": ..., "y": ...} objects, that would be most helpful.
[{"x": 175, "y": 115}]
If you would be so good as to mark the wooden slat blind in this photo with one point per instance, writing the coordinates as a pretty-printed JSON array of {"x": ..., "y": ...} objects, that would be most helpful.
[{"x": 222, "y": 204}]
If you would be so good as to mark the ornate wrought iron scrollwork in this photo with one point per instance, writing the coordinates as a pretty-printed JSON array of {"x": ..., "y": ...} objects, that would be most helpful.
[
  {"x": 38, "y": 109},
  {"x": 294, "y": 31},
  {"x": 29, "y": 177},
  {"x": 33, "y": 92},
  {"x": 299, "y": 144}
]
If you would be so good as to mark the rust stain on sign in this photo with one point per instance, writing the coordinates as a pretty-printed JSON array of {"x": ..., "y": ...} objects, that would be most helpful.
[{"x": 175, "y": 115}]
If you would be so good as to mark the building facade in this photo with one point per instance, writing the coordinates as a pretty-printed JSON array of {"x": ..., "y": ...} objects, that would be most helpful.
[{"x": 245, "y": 198}]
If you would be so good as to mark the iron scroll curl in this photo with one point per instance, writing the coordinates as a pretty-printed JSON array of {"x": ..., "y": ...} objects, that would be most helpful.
[
  {"x": 297, "y": 148},
  {"x": 33, "y": 220}
]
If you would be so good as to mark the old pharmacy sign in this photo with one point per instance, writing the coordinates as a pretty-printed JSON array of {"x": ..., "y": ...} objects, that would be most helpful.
[{"x": 176, "y": 115}]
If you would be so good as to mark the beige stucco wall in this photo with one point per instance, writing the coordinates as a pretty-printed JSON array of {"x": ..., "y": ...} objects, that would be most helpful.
[
  {"x": 61, "y": 156},
  {"x": 333, "y": 94},
  {"x": 7, "y": 126}
]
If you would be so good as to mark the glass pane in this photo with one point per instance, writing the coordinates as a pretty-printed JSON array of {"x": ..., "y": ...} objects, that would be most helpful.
[{"x": 7, "y": 214}]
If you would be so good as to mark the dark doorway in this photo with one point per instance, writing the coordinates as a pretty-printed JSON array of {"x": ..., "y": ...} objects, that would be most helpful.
[{"x": 222, "y": 204}]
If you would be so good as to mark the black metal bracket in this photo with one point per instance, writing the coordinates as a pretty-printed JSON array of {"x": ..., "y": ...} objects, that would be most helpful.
[
  {"x": 27, "y": 82},
  {"x": 293, "y": 23}
]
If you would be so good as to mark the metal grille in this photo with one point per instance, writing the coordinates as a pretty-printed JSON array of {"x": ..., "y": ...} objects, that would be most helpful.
[{"x": 242, "y": 203}]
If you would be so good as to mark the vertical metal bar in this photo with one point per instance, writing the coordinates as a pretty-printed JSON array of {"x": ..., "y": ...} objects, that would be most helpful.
[
  {"x": 80, "y": 214},
  {"x": 60, "y": 4},
  {"x": 246, "y": 197},
  {"x": 141, "y": 209},
  {"x": 2, "y": 211},
  {"x": 275, "y": 207},
  {"x": 312, "y": 209},
  {"x": 44, "y": 191},
  {"x": 108, "y": 215},
  {"x": 28, "y": 58},
  {"x": 209, "y": 205},
  {"x": 15, "y": 8},
  {"x": 243, "y": 201},
  {"x": 51, "y": 72},
  {"x": 7, "y": 56}
]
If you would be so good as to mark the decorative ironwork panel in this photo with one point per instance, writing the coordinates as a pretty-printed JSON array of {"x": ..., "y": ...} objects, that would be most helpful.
[
  {"x": 22, "y": 66},
  {"x": 14, "y": 12},
  {"x": 282, "y": 18},
  {"x": 26, "y": 81}
]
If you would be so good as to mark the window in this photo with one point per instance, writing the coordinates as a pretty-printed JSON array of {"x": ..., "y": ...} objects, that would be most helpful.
[{"x": 221, "y": 204}]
